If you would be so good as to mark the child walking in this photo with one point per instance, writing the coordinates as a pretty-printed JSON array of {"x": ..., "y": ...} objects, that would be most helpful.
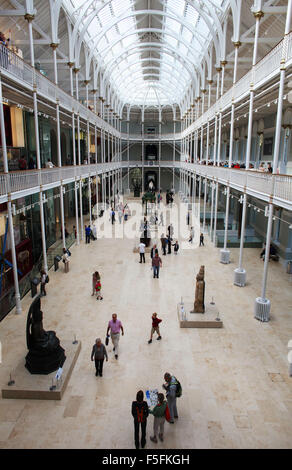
[
  {"x": 155, "y": 327},
  {"x": 98, "y": 287}
]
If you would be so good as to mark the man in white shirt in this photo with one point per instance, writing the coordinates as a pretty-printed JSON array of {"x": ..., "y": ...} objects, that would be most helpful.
[{"x": 142, "y": 252}]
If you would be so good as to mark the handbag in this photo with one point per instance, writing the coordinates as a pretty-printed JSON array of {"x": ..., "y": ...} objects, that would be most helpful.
[
  {"x": 167, "y": 414},
  {"x": 107, "y": 340}
]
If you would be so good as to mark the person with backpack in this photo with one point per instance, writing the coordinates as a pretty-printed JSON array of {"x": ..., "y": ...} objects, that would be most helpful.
[
  {"x": 140, "y": 413},
  {"x": 159, "y": 418},
  {"x": 173, "y": 390}
]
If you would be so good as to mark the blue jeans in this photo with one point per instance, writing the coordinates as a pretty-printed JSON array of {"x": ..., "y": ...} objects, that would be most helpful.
[{"x": 155, "y": 271}]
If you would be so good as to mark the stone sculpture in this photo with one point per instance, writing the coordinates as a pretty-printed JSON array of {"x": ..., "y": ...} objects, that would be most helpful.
[
  {"x": 199, "y": 305},
  {"x": 45, "y": 353}
]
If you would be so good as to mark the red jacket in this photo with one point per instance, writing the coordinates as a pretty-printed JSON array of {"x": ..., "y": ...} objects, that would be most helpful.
[{"x": 155, "y": 322}]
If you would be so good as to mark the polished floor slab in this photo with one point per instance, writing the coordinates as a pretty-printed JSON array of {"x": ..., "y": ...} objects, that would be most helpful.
[{"x": 236, "y": 389}]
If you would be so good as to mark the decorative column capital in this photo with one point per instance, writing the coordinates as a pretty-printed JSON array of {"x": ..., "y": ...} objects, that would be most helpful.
[
  {"x": 258, "y": 14},
  {"x": 28, "y": 17},
  {"x": 237, "y": 44},
  {"x": 101, "y": 99},
  {"x": 76, "y": 70},
  {"x": 218, "y": 69},
  {"x": 94, "y": 91},
  {"x": 204, "y": 90},
  {"x": 223, "y": 62},
  {"x": 54, "y": 45},
  {"x": 86, "y": 82},
  {"x": 210, "y": 82},
  {"x": 70, "y": 64}
]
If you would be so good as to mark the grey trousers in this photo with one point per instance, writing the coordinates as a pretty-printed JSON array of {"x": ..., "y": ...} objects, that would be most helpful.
[
  {"x": 158, "y": 425},
  {"x": 115, "y": 340},
  {"x": 172, "y": 407}
]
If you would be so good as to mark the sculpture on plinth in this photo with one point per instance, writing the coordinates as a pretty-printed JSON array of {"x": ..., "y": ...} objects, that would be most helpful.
[
  {"x": 199, "y": 305},
  {"x": 45, "y": 353}
]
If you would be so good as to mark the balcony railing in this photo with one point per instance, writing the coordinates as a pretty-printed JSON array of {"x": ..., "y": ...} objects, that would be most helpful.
[
  {"x": 261, "y": 185},
  {"x": 263, "y": 71},
  {"x": 16, "y": 69}
]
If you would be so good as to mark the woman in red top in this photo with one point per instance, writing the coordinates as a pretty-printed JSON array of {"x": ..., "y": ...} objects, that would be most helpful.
[{"x": 155, "y": 327}]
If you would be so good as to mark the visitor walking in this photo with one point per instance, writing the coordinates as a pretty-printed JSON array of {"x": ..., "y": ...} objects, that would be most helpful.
[
  {"x": 65, "y": 259},
  {"x": 176, "y": 247},
  {"x": 202, "y": 239},
  {"x": 140, "y": 413},
  {"x": 163, "y": 243},
  {"x": 153, "y": 250},
  {"x": 155, "y": 327},
  {"x": 156, "y": 265},
  {"x": 159, "y": 418},
  {"x": 171, "y": 388},
  {"x": 98, "y": 354},
  {"x": 95, "y": 277},
  {"x": 87, "y": 234},
  {"x": 98, "y": 287},
  {"x": 113, "y": 216},
  {"x": 170, "y": 231},
  {"x": 142, "y": 247},
  {"x": 43, "y": 282},
  {"x": 192, "y": 234},
  {"x": 115, "y": 326},
  {"x": 169, "y": 244}
]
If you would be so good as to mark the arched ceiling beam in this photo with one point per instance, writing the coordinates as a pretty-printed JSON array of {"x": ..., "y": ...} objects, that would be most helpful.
[
  {"x": 128, "y": 71},
  {"x": 149, "y": 46},
  {"x": 132, "y": 82}
]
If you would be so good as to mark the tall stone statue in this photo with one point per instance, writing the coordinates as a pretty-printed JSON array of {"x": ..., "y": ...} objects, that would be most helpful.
[
  {"x": 45, "y": 353},
  {"x": 199, "y": 305}
]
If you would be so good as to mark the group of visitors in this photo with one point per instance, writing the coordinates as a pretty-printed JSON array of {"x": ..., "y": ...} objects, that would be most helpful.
[
  {"x": 162, "y": 411},
  {"x": 99, "y": 352}
]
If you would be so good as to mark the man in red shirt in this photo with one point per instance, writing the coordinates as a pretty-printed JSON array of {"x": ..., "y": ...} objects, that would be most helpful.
[{"x": 155, "y": 327}]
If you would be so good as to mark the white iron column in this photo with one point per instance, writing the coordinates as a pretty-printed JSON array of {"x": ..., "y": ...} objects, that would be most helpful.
[
  {"x": 10, "y": 218},
  {"x": 240, "y": 273},
  {"x": 216, "y": 211},
  {"x": 224, "y": 253},
  {"x": 205, "y": 199},
  {"x": 38, "y": 157},
  {"x": 159, "y": 151},
  {"x": 262, "y": 304}
]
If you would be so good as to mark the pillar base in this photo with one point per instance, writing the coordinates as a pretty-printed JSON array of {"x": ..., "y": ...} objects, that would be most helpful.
[
  {"x": 239, "y": 277},
  {"x": 262, "y": 308},
  {"x": 225, "y": 256}
]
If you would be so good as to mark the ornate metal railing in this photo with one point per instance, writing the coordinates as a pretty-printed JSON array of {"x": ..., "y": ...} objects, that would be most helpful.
[{"x": 16, "y": 69}]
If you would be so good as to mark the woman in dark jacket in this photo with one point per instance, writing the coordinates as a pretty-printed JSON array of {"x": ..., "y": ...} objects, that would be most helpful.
[{"x": 140, "y": 413}]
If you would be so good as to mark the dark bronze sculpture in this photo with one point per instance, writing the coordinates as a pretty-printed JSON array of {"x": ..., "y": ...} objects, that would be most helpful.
[
  {"x": 199, "y": 306},
  {"x": 45, "y": 353}
]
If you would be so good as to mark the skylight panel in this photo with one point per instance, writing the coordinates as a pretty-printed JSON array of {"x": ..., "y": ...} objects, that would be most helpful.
[
  {"x": 126, "y": 25},
  {"x": 171, "y": 40},
  {"x": 176, "y": 5},
  {"x": 186, "y": 35},
  {"x": 172, "y": 24},
  {"x": 119, "y": 7},
  {"x": 105, "y": 15}
]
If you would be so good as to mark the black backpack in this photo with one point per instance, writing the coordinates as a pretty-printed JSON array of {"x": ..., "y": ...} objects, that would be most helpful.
[
  {"x": 178, "y": 392},
  {"x": 47, "y": 279}
]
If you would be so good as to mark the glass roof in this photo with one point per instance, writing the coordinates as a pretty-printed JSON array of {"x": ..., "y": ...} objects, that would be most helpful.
[{"x": 148, "y": 55}]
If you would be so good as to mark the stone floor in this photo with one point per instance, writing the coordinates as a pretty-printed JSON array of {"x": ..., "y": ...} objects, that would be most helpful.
[{"x": 236, "y": 389}]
